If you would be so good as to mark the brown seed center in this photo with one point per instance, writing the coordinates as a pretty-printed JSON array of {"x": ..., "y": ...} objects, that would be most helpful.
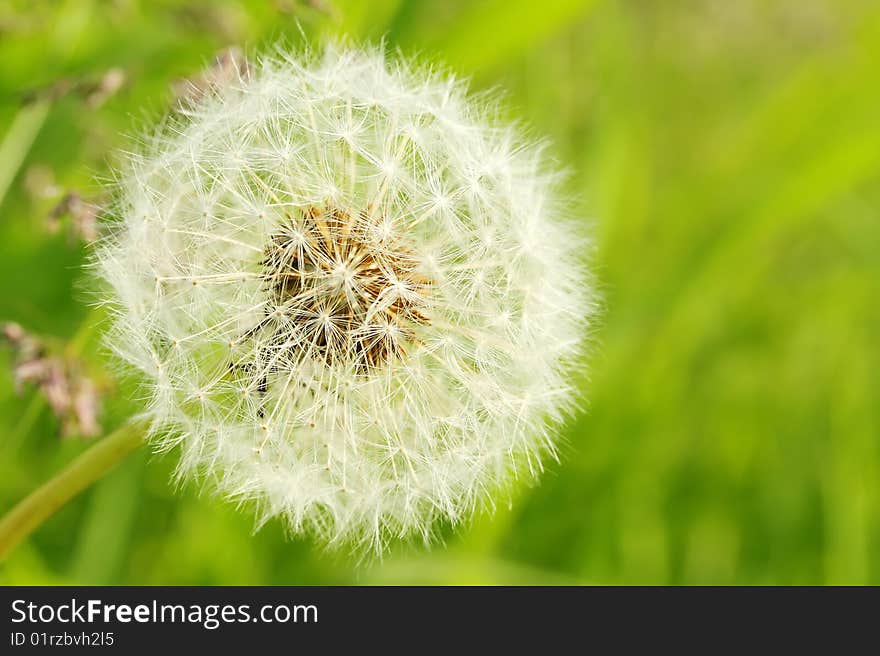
[{"x": 339, "y": 292}]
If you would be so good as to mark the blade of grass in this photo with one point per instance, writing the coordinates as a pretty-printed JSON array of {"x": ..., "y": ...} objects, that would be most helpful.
[
  {"x": 116, "y": 496},
  {"x": 18, "y": 140}
]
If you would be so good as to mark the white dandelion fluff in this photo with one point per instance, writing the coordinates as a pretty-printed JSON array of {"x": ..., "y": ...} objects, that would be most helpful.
[{"x": 351, "y": 293}]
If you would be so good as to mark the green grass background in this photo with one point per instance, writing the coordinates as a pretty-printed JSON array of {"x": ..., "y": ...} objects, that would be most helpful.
[{"x": 728, "y": 156}]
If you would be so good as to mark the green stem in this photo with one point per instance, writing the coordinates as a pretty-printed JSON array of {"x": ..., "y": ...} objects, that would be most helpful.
[
  {"x": 73, "y": 479},
  {"x": 15, "y": 146}
]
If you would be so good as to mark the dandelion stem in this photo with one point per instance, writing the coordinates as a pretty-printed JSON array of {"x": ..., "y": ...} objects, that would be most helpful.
[{"x": 91, "y": 465}]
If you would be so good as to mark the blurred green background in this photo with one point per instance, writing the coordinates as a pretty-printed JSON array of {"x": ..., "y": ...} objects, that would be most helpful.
[{"x": 730, "y": 154}]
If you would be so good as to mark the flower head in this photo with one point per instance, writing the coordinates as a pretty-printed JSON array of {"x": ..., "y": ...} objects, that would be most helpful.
[{"x": 351, "y": 293}]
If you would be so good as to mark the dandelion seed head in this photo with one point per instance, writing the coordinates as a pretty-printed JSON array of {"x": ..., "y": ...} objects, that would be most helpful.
[{"x": 352, "y": 293}]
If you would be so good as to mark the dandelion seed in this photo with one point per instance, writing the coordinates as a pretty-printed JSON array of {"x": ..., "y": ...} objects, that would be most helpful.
[
  {"x": 352, "y": 293},
  {"x": 229, "y": 64}
]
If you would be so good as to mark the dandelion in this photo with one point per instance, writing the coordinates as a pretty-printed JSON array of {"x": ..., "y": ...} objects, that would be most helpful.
[{"x": 352, "y": 293}]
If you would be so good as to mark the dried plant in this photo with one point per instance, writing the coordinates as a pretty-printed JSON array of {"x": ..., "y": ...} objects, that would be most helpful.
[{"x": 72, "y": 396}]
